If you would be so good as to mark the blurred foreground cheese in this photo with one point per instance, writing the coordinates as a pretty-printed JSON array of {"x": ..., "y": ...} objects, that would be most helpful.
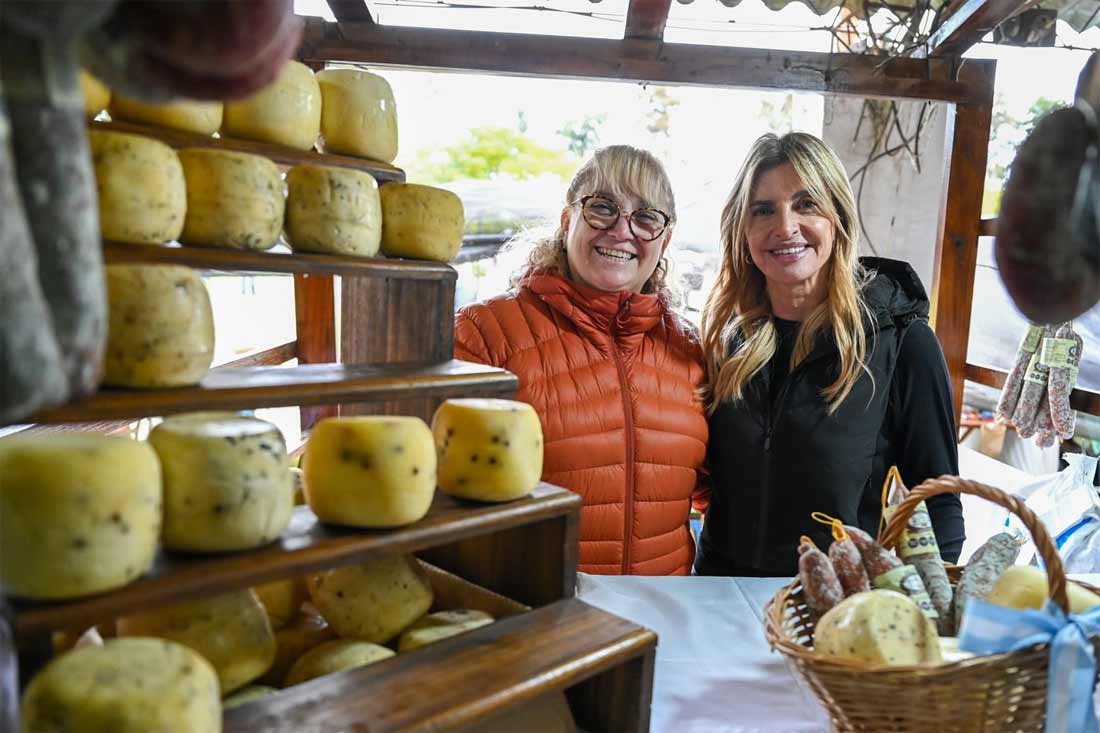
[
  {"x": 441, "y": 625},
  {"x": 226, "y": 484},
  {"x": 547, "y": 714},
  {"x": 161, "y": 329},
  {"x": 1025, "y": 586},
  {"x": 421, "y": 222},
  {"x": 188, "y": 115},
  {"x": 333, "y": 211},
  {"x": 234, "y": 200},
  {"x": 370, "y": 471},
  {"x": 305, "y": 631},
  {"x": 880, "y": 627},
  {"x": 358, "y": 114},
  {"x": 335, "y": 656},
  {"x": 125, "y": 686},
  {"x": 79, "y": 513},
  {"x": 489, "y": 449},
  {"x": 142, "y": 194},
  {"x": 246, "y": 695},
  {"x": 282, "y": 599},
  {"x": 286, "y": 112},
  {"x": 96, "y": 94},
  {"x": 375, "y": 600}
]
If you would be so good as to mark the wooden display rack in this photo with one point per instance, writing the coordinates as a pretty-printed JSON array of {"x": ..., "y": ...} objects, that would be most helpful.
[{"x": 397, "y": 353}]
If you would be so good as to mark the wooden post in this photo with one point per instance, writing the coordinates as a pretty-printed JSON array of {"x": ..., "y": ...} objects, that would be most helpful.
[{"x": 316, "y": 323}]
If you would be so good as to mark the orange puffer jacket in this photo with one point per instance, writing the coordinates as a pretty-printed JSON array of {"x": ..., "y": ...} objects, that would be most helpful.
[{"x": 613, "y": 377}]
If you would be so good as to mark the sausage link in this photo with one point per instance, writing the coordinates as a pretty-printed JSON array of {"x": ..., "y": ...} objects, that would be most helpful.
[
  {"x": 1031, "y": 394},
  {"x": 820, "y": 585},
  {"x": 1067, "y": 350},
  {"x": 1010, "y": 393}
]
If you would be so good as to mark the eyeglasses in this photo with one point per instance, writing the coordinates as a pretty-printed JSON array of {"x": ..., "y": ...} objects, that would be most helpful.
[{"x": 602, "y": 213}]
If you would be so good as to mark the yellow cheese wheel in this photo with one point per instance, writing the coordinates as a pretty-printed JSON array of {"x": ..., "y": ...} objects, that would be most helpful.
[
  {"x": 358, "y": 114},
  {"x": 189, "y": 115},
  {"x": 489, "y": 449},
  {"x": 421, "y": 222},
  {"x": 246, "y": 695},
  {"x": 880, "y": 627},
  {"x": 226, "y": 484},
  {"x": 282, "y": 599},
  {"x": 549, "y": 713},
  {"x": 79, "y": 513},
  {"x": 161, "y": 327},
  {"x": 305, "y": 631},
  {"x": 234, "y": 200},
  {"x": 96, "y": 94},
  {"x": 441, "y": 625},
  {"x": 124, "y": 686},
  {"x": 286, "y": 112},
  {"x": 1025, "y": 586},
  {"x": 142, "y": 195},
  {"x": 373, "y": 601},
  {"x": 335, "y": 656},
  {"x": 333, "y": 211},
  {"x": 231, "y": 631},
  {"x": 370, "y": 471}
]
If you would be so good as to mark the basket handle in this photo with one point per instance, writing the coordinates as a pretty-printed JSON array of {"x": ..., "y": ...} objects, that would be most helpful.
[{"x": 1056, "y": 571}]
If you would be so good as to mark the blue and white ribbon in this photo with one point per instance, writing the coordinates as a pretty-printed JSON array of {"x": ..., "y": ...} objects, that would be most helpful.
[{"x": 991, "y": 629}]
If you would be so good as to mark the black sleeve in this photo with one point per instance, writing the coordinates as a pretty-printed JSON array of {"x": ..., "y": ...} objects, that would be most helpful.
[{"x": 924, "y": 430}]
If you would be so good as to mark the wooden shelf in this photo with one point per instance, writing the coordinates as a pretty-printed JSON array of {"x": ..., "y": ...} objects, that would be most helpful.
[
  {"x": 281, "y": 154},
  {"x": 286, "y": 262},
  {"x": 279, "y": 386},
  {"x": 459, "y": 681},
  {"x": 307, "y": 546}
]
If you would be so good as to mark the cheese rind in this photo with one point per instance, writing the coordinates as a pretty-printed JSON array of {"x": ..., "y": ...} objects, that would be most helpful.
[
  {"x": 203, "y": 118},
  {"x": 421, "y": 222},
  {"x": 285, "y": 112},
  {"x": 441, "y": 625},
  {"x": 333, "y": 211},
  {"x": 234, "y": 200},
  {"x": 161, "y": 326},
  {"x": 358, "y": 114},
  {"x": 373, "y": 601},
  {"x": 335, "y": 656},
  {"x": 282, "y": 599},
  {"x": 96, "y": 94},
  {"x": 124, "y": 686},
  {"x": 139, "y": 181},
  {"x": 1025, "y": 586},
  {"x": 79, "y": 514},
  {"x": 246, "y": 695},
  {"x": 880, "y": 627}
]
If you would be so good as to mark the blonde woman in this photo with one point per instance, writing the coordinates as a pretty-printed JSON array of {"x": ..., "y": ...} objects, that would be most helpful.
[
  {"x": 611, "y": 371},
  {"x": 822, "y": 369}
]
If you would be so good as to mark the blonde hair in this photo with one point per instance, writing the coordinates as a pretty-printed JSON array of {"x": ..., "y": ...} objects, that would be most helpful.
[
  {"x": 739, "y": 301},
  {"x": 622, "y": 170}
]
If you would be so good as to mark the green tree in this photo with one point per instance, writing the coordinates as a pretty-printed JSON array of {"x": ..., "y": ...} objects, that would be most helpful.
[
  {"x": 1006, "y": 133},
  {"x": 583, "y": 136},
  {"x": 488, "y": 152}
]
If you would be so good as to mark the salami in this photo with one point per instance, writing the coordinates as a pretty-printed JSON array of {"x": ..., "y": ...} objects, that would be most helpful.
[
  {"x": 845, "y": 557},
  {"x": 1031, "y": 394},
  {"x": 1044, "y": 428},
  {"x": 985, "y": 566},
  {"x": 1062, "y": 355},
  {"x": 820, "y": 585},
  {"x": 1010, "y": 394},
  {"x": 887, "y": 571}
]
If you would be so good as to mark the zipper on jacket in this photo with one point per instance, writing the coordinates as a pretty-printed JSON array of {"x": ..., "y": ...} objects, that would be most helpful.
[
  {"x": 774, "y": 411},
  {"x": 628, "y": 426}
]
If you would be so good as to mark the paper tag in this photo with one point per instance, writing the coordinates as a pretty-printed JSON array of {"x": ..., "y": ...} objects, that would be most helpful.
[
  {"x": 1037, "y": 372},
  {"x": 905, "y": 579},
  {"x": 1059, "y": 353},
  {"x": 918, "y": 538},
  {"x": 1031, "y": 340}
]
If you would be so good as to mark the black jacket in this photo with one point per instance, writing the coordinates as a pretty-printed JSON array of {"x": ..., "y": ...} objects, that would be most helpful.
[{"x": 774, "y": 461}]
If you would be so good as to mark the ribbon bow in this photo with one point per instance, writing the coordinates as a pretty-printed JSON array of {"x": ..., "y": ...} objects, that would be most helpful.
[{"x": 991, "y": 629}]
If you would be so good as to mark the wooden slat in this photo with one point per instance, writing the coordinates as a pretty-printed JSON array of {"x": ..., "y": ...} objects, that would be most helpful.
[
  {"x": 636, "y": 61},
  {"x": 956, "y": 258},
  {"x": 315, "y": 326},
  {"x": 231, "y": 260},
  {"x": 309, "y": 384},
  {"x": 970, "y": 22},
  {"x": 645, "y": 19},
  {"x": 455, "y": 683},
  {"x": 307, "y": 546},
  {"x": 1083, "y": 400},
  {"x": 281, "y": 154},
  {"x": 355, "y": 10},
  {"x": 274, "y": 356},
  {"x": 987, "y": 228}
]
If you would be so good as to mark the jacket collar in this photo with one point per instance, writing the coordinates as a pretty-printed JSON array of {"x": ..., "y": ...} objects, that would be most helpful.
[{"x": 624, "y": 313}]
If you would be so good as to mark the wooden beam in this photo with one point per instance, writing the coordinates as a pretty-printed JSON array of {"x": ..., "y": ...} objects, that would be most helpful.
[
  {"x": 350, "y": 10},
  {"x": 635, "y": 60},
  {"x": 988, "y": 228},
  {"x": 969, "y": 23},
  {"x": 646, "y": 19},
  {"x": 1082, "y": 400}
]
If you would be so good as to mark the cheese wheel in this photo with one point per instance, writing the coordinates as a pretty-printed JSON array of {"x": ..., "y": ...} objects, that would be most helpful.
[
  {"x": 489, "y": 449},
  {"x": 373, "y": 601},
  {"x": 285, "y": 112},
  {"x": 204, "y": 118},
  {"x": 125, "y": 686},
  {"x": 370, "y": 471},
  {"x": 161, "y": 331},
  {"x": 79, "y": 513},
  {"x": 421, "y": 222},
  {"x": 335, "y": 656},
  {"x": 358, "y": 114},
  {"x": 305, "y": 631},
  {"x": 226, "y": 484},
  {"x": 880, "y": 627},
  {"x": 231, "y": 631},
  {"x": 282, "y": 599},
  {"x": 234, "y": 200},
  {"x": 549, "y": 713},
  {"x": 441, "y": 625},
  {"x": 142, "y": 194},
  {"x": 96, "y": 94},
  {"x": 247, "y": 694},
  {"x": 333, "y": 211}
]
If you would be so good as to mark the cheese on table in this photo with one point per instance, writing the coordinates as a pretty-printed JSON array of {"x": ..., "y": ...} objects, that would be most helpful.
[
  {"x": 124, "y": 686},
  {"x": 188, "y": 115},
  {"x": 333, "y": 211},
  {"x": 96, "y": 94},
  {"x": 489, "y": 449},
  {"x": 373, "y": 601},
  {"x": 231, "y": 631},
  {"x": 421, "y": 222},
  {"x": 161, "y": 327},
  {"x": 441, "y": 625},
  {"x": 305, "y": 631},
  {"x": 358, "y": 114},
  {"x": 139, "y": 181},
  {"x": 234, "y": 200},
  {"x": 282, "y": 599},
  {"x": 286, "y": 112},
  {"x": 878, "y": 626},
  {"x": 226, "y": 483},
  {"x": 335, "y": 656},
  {"x": 79, "y": 513},
  {"x": 370, "y": 471}
]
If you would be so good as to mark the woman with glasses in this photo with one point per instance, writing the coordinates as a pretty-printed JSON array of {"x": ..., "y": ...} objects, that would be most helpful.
[
  {"x": 611, "y": 371},
  {"x": 822, "y": 370}
]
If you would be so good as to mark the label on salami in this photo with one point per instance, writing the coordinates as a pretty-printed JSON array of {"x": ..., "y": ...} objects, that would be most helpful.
[
  {"x": 1037, "y": 372},
  {"x": 918, "y": 538},
  {"x": 1031, "y": 341},
  {"x": 1059, "y": 353},
  {"x": 905, "y": 579}
]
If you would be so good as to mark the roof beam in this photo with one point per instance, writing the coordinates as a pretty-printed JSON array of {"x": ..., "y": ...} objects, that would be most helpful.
[
  {"x": 970, "y": 22},
  {"x": 355, "y": 11},
  {"x": 636, "y": 61},
  {"x": 645, "y": 19}
]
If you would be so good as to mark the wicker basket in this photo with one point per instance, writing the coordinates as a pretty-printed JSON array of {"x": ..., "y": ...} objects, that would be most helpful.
[{"x": 1002, "y": 693}]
